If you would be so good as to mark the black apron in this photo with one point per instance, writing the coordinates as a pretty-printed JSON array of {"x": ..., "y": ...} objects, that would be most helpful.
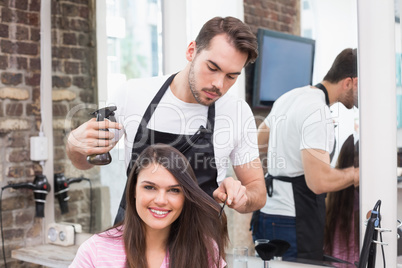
[
  {"x": 310, "y": 211},
  {"x": 310, "y": 216},
  {"x": 198, "y": 148}
]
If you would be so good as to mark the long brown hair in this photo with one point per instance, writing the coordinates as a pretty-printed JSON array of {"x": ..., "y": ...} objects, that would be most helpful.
[
  {"x": 340, "y": 204},
  {"x": 192, "y": 238},
  {"x": 239, "y": 34}
]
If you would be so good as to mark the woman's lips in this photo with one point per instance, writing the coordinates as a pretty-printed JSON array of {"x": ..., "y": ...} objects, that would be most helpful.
[{"x": 159, "y": 213}]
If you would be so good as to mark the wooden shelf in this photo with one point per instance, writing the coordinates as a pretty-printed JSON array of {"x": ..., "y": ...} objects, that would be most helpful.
[{"x": 50, "y": 255}]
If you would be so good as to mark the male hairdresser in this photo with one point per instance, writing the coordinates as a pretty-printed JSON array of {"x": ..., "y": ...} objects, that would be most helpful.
[{"x": 191, "y": 111}]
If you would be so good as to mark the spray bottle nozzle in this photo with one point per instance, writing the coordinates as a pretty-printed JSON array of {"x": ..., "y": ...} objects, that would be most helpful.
[{"x": 105, "y": 113}]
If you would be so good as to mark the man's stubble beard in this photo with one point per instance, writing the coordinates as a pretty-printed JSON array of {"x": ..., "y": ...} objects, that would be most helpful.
[
  {"x": 191, "y": 84},
  {"x": 196, "y": 94},
  {"x": 349, "y": 100}
]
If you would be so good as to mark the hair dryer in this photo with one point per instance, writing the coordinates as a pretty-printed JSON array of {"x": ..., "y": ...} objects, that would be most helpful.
[
  {"x": 101, "y": 115},
  {"x": 60, "y": 191},
  {"x": 40, "y": 187},
  {"x": 61, "y": 188}
]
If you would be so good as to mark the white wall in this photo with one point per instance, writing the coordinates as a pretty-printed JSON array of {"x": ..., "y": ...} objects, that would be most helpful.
[{"x": 174, "y": 14}]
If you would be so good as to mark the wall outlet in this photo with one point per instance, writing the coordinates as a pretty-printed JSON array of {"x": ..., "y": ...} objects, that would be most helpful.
[
  {"x": 60, "y": 234},
  {"x": 39, "y": 150}
]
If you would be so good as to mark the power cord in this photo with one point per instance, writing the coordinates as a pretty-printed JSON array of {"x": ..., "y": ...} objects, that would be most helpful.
[
  {"x": 1, "y": 225},
  {"x": 75, "y": 180},
  {"x": 382, "y": 245},
  {"x": 368, "y": 251},
  {"x": 90, "y": 203}
]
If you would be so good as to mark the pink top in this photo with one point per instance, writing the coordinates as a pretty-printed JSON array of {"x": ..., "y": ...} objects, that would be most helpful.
[{"x": 107, "y": 250}]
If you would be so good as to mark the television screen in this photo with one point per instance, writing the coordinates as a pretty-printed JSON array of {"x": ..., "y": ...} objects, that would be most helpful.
[{"x": 285, "y": 62}]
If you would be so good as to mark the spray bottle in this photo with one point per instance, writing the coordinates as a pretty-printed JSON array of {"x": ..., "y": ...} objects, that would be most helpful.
[{"x": 101, "y": 115}]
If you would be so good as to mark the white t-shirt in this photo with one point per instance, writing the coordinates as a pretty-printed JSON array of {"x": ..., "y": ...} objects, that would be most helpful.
[
  {"x": 299, "y": 119},
  {"x": 235, "y": 134}
]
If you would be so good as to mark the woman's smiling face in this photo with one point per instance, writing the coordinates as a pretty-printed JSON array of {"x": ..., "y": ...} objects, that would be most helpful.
[{"x": 159, "y": 197}]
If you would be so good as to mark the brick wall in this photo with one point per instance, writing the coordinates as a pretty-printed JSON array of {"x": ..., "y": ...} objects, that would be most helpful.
[
  {"x": 19, "y": 119},
  {"x": 277, "y": 15},
  {"x": 74, "y": 83}
]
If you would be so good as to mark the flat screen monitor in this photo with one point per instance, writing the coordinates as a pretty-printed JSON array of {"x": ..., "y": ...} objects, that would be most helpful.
[{"x": 285, "y": 62}]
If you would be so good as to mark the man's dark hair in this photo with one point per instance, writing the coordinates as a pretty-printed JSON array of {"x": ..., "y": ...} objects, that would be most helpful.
[
  {"x": 239, "y": 34},
  {"x": 345, "y": 65}
]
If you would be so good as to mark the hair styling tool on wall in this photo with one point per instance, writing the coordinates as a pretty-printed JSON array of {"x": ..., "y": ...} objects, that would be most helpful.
[
  {"x": 61, "y": 184},
  {"x": 60, "y": 191},
  {"x": 40, "y": 187},
  {"x": 101, "y": 115}
]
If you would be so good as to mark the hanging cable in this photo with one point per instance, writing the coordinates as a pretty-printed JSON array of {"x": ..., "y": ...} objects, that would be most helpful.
[
  {"x": 382, "y": 246},
  {"x": 1, "y": 225}
]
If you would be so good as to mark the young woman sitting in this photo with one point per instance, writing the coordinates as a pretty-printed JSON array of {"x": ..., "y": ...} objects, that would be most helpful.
[{"x": 169, "y": 220}]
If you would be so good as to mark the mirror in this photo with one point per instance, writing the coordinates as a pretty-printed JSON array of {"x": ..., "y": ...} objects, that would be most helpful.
[
  {"x": 334, "y": 27},
  {"x": 76, "y": 66}
]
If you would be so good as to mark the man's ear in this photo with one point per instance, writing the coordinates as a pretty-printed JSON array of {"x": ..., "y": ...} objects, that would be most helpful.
[
  {"x": 191, "y": 51},
  {"x": 347, "y": 83},
  {"x": 352, "y": 82}
]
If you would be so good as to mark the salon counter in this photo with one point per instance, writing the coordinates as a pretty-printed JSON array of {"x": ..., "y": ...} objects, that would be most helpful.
[
  {"x": 256, "y": 262},
  {"x": 50, "y": 255},
  {"x": 46, "y": 255},
  {"x": 61, "y": 257}
]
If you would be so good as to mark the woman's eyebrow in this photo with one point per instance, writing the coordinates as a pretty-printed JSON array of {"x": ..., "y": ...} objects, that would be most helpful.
[
  {"x": 152, "y": 183},
  {"x": 148, "y": 182}
]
